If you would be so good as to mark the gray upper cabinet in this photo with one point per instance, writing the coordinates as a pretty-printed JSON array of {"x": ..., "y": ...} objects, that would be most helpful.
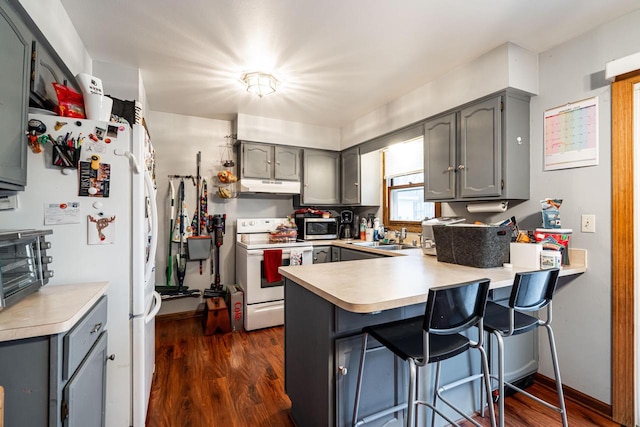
[
  {"x": 264, "y": 161},
  {"x": 479, "y": 152},
  {"x": 287, "y": 165},
  {"x": 440, "y": 158},
  {"x": 361, "y": 177},
  {"x": 321, "y": 178},
  {"x": 15, "y": 52},
  {"x": 480, "y": 158},
  {"x": 350, "y": 173}
]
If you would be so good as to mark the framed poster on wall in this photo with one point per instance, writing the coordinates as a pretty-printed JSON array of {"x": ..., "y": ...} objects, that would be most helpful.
[{"x": 571, "y": 135}]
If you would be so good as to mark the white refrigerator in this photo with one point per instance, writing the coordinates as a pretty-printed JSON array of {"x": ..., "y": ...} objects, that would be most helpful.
[{"x": 103, "y": 216}]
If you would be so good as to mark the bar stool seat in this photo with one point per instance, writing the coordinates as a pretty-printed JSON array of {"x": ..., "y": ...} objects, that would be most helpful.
[
  {"x": 531, "y": 292},
  {"x": 399, "y": 337},
  {"x": 431, "y": 338}
]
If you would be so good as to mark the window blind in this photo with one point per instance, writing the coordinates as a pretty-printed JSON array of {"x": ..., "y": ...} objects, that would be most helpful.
[{"x": 403, "y": 159}]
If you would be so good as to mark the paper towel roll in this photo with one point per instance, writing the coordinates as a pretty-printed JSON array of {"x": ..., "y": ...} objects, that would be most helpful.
[{"x": 487, "y": 207}]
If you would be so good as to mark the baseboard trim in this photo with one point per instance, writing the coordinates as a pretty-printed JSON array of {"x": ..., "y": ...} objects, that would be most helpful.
[
  {"x": 577, "y": 396},
  {"x": 183, "y": 315}
]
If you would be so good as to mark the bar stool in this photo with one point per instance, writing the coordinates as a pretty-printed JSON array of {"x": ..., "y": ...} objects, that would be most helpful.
[
  {"x": 531, "y": 292},
  {"x": 431, "y": 338}
]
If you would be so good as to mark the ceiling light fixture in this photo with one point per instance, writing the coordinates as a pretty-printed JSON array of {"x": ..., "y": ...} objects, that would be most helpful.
[{"x": 260, "y": 83}]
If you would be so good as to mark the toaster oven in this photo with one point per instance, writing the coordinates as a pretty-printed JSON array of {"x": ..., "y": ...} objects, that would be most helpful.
[{"x": 24, "y": 264}]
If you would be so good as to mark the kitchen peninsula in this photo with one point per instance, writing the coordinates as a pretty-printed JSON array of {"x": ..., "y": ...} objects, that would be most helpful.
[{"x": 327, "y": 305}]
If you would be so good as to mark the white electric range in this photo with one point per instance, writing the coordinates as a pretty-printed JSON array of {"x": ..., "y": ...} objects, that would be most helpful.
[{"x": 264, "y": 296}]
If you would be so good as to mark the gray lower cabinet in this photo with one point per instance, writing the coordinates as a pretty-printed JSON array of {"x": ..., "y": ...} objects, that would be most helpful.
[
  {"x": 58, "y": 380},
  {"x": 479, "y": 152},
  {"x": 15, "y": 61},
  {"x": 382, "y": 373},
  {"x": 335, "y": 254},
  {"x": 321, "y": 178},
  {"x": 321, "y": 254},
  {"x": 353, "y": 254}
]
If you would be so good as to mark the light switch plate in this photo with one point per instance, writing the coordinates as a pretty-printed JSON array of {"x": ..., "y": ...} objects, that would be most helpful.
[{"x": 588, "y": 224}]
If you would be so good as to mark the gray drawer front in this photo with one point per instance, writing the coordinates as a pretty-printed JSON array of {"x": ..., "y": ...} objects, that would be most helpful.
[
  {"x": 82, "y": 336},
  {"x": 347, "y": 321}
]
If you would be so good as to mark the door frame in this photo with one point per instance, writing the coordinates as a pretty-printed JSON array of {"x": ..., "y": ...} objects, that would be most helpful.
[{"x": 622, "y": 250}]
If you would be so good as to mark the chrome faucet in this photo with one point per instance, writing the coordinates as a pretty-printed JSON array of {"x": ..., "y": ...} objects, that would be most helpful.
[{"x": 401, "y": 235}]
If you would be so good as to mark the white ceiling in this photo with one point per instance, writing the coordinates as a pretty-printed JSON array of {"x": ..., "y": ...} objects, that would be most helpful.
[{"x": 337, "y": 59}]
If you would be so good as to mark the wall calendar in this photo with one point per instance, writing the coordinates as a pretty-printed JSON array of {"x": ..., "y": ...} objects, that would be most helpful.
[{"x": 571, "y": 135}]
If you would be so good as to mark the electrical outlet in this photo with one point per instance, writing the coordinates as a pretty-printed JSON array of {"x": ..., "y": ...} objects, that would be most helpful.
[{"x": 588, "y": 224}]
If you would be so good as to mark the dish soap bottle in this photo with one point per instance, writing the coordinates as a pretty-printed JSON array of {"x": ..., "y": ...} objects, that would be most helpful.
[{"x": 363, "y": 229}]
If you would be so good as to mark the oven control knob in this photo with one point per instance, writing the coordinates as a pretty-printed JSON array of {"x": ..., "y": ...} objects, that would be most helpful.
[
  {"x": 252, "y": 223},
  {"x": 48, "y": 274},
  {"x": 47, "y": 259}
]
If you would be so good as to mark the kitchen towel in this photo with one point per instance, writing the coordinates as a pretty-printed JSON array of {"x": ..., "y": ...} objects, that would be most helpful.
[
  {"x": 295, "y": 257},
  {"x": 272, "y": 260}
]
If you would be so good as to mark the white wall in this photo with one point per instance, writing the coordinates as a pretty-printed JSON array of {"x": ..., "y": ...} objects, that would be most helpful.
[
  {"x": 274, "y": 131},
  {"x": 177, "y": 140},
  {"x": 53, "y": 21},
  {"x": 507, "y": 65}
]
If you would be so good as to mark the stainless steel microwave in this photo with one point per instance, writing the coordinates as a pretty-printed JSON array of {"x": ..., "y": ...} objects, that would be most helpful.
[
  {"x": 317, "y": 228},
  {"x": 24, "y": 264}
]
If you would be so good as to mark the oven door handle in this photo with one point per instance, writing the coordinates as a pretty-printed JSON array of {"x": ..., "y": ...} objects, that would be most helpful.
[{"x": 260, "y": 252}]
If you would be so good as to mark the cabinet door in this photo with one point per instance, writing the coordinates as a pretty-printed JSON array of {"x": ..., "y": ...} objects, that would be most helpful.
[
  {"x": 257, "y": 161},
  {"x": 350, "y": 174},
  {"x": 381, "y": 388},
  {"x": 335, "y": 254},
  {"x": 480, "y": 157},
  {"x": 287, "y": 163},
  {"x": 440, "y": 158},
  {"x": 15, "y": 52},
  {"x": 321, "y": 254},
  {"x": 84, "y": 395},
  {"x": 321, "y": 177},
  {"x": 45, "y": 72}
]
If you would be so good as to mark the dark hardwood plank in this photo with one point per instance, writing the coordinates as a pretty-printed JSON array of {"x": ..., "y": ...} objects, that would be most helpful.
[{"x": 237, "y": 380}]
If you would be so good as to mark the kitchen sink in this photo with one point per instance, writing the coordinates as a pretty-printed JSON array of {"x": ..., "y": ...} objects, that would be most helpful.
[{"x": 384, "y": 246}]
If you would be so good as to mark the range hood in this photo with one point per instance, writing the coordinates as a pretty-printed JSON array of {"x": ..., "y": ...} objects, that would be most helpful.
[{"x": 249, "y": 185}]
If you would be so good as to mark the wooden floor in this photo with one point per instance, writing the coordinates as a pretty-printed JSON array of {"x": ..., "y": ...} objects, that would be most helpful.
[{"x": 237, "y": 380}]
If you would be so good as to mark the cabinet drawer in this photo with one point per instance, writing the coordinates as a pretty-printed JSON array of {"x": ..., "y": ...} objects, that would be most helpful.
[{"x": 82, "y": 336}]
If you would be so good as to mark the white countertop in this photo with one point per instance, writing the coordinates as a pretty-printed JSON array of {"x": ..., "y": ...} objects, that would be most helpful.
[
  {"x": 51, "y": 310},
  {"x": 365, "y": 286}
]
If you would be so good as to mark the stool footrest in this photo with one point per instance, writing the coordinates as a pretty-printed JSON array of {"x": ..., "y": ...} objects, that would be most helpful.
[{"x": 380, "y": 414}]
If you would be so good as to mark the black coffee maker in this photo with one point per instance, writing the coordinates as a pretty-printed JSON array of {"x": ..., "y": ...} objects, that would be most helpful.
[{"x": 346, "y": 222}]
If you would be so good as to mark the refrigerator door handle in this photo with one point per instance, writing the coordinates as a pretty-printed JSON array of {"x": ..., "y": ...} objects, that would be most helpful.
[
  {"x": 153, "y": 244},
  {"x": 129, "y": 155},
  {"x": 157, "y": 299}
]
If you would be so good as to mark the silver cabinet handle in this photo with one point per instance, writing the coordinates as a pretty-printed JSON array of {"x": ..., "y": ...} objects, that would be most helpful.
[
  {"x": 96, "y": 327},
  {"x": 460, "y": 167},
  {"x": 450, "y": 168},
  {"x": 111, "y": 357},
  {"x": 342, "y": 370},
  {"x": 356, "y": 184}
]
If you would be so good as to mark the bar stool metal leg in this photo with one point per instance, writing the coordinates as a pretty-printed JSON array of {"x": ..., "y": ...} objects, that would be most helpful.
[
  {"x": 500, "y": 379},
  {"x": 363, "y": 353},
  {"x": 556, "y": 371}
]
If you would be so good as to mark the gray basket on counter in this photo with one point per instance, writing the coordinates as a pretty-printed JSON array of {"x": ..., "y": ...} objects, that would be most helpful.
[{"x": 472, "y": 245}]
